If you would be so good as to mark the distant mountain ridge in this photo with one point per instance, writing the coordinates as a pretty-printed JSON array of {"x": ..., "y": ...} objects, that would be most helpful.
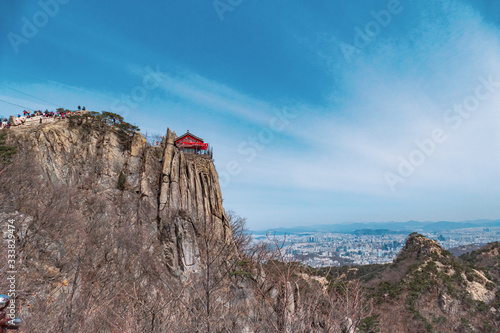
[{"x": 392, "y": 227}]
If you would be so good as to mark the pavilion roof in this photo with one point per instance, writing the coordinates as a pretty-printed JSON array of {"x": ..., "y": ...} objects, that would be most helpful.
[{"x": 188, "y": 134}]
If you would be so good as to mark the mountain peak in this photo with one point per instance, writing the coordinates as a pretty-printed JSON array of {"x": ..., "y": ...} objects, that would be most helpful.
[{"x": 419, "y": 247}]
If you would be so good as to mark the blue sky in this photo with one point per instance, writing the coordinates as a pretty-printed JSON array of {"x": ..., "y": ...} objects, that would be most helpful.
[{"x": 318, "y": 112}]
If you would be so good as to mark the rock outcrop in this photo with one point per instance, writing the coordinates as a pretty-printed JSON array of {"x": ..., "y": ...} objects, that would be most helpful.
[
  {"x": 177, "y": 195},
  {"x": 427, "y": 289},
  {"x": 189, "y": 199},
  {"x": 105, "y": 221}
]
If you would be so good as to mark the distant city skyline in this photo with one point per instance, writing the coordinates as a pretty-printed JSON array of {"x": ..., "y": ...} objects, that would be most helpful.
[
  {"x": 318, "y": 113},
  {"x": 323, "y": 249}
]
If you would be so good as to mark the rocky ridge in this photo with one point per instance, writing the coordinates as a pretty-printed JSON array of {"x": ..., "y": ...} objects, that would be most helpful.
[{"x": 427, "y": 289}]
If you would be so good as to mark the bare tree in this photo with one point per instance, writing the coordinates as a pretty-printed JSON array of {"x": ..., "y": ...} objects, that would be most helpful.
[
  {"x": 209, "y": 284},
  {"x": 241, "y": 236},
  {"x": 294, "y": 300},
  {"x": 154, "y": 139}
]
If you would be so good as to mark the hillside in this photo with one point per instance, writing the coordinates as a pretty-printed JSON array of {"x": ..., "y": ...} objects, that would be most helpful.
[
  {"x": 427, "y": 289},
  {"x": 487, "y": 258},
  {"x": 105, "y": 221}
]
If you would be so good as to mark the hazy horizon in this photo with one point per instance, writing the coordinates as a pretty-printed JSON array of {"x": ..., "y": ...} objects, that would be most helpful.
[{"x": 313, "y": 225}]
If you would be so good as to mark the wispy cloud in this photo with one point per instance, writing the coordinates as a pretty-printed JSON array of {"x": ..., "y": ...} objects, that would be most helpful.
[{"x": 335, "y": 151}]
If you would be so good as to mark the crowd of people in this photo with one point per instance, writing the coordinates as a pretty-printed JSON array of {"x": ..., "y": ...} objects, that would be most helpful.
[{"x": 29, "y": 115}]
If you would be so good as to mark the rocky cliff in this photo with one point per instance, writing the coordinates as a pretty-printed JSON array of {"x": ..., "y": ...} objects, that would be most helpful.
[
  {"x": 175, "y": 194},
  {"x": 115, "y": 235},
  {"x": 102, "y": 218}
]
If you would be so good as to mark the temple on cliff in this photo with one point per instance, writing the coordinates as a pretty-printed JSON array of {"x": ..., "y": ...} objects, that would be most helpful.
[{"x": 191, "y": 144}]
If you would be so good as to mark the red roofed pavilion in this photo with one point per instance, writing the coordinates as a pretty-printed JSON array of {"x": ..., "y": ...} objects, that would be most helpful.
[{"x": 190, "y": 143}]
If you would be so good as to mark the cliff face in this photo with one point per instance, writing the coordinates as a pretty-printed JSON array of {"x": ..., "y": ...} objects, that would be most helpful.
[
  {"x": 116, "y": 235},
  {"x": 176, "y": 196},
  {"x": 189, "y": 199}
]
